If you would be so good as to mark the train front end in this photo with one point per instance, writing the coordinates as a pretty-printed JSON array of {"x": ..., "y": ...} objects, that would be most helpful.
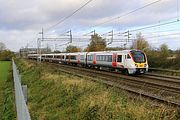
[{"x": 139, "y": 61}]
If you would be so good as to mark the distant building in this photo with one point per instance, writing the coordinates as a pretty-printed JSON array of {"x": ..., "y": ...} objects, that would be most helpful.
[{"x": 23, "y": 52}]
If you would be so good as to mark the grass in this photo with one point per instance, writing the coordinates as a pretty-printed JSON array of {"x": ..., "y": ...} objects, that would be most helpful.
[
  {"x": 53, "y": 95},
  {"x": 7, "y": 110}
]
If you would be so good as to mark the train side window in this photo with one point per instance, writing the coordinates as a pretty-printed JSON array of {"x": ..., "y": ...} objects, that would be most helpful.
[
  {"x": 97, "y": 58},
  {"x": 90, "y": 57},
  {"x": 100, "y": 58},
  {"x": 67, "y": 56},
  {"x": 119, "y": 59},
  {"x": 82, "y": 57},
  {"x": 109, "y": 58},
  {"x": 104, "y": 57},
  {"x": 128, "y": 56},
  {"x": 73, "y": 57}
]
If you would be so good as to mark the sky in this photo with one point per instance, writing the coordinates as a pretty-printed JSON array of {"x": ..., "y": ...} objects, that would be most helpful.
[{"x": 21, "y": 22}]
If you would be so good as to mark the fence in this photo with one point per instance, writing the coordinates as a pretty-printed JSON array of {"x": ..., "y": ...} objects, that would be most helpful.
[{"x": 21, "y": 107}]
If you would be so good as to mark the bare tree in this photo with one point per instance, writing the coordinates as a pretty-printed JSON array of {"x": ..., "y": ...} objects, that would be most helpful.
[
  {"x": 164, "y": 51},
  {"x": 140, "y": 43}
]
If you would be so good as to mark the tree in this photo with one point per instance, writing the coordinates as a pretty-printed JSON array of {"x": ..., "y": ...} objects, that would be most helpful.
[
  {"x": 114, "y": 48},
  {"x": 96, "y": 44},
  {"x": 140, "y": 43},
  {"x": 2, "y": 46},
  {"x": 6, "y": 55},
  {"x": 72, "y": 48},
  {"x": 164, "y": 51}
]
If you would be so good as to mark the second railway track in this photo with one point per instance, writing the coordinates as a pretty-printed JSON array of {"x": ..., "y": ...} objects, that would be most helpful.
[{"x": 155, "y": 87}]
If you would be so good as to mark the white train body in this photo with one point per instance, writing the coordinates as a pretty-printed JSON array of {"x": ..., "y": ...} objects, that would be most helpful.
[{"x": 128, "y": 61}]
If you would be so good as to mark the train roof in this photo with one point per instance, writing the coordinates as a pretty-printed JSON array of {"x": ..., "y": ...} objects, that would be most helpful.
[{"x": 120, "y": 51}]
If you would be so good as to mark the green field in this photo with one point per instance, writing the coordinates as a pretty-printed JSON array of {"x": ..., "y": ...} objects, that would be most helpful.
[
  {"x": 4, "y": 68},
  {"x": 54, "y": 95},
  {"x": 6, "y": 92}
]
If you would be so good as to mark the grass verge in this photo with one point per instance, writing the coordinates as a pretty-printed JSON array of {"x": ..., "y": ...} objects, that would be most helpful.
[
  {"x": 53, "y": 95},
  {"x": 7, "y": 109}
]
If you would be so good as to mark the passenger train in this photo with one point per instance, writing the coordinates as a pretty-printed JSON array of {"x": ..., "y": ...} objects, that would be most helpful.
[{"x": 127, "y": 61}]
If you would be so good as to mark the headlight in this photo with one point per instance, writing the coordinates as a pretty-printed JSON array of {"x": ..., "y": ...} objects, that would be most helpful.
[
  {"x": 145, "y": 65},
  {"x": 136, "y": 65}
]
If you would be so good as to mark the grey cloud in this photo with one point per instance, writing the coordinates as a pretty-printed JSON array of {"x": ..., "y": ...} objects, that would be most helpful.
[{"x": 23, "y": 16}]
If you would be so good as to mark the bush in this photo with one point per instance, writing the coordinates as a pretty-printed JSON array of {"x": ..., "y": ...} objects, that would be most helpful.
[{"x": 6, "y": 55}]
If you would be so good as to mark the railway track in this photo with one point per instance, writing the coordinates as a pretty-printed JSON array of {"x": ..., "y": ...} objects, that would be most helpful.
[
  {"x": 165, "y": 71},
  {"x": 164, "y": 89},
  {"x": 157, "y": 87},
  {"x": 163, "y": 76}
]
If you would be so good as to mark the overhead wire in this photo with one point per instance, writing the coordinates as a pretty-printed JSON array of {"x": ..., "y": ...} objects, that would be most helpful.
[
  {"x": 126, "y": 14},
  {"x": 162, "y": 31},
  {"x": 65, "y": 18},
  {"x": 163, "y": 35},
  {"x": 152, "y": 26}
]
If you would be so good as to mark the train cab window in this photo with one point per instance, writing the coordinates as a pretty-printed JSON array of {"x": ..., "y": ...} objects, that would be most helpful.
[
  {"x": 128, "y": 56},
  {"x": 138, "y": 56},
  {"x": 119, "y": 59}
]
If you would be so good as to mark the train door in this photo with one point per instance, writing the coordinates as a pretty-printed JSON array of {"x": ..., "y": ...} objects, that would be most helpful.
[
  {"x": 114, "y": 62},
  {"x": 61, "y": 57},
  {"x": 78, "y": 58},
  {"x": 94, "y": 59},
  {"x": 69, "y": 57},
  {"x": 124, "y": 61},
  {"x": 50, "y": 58},
  {"x": 129, "y": 62}
]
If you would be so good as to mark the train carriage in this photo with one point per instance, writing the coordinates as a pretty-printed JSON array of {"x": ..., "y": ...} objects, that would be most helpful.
[
  {"x": 127, "y": 61},
  {"x": 78, "y": 58}
]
